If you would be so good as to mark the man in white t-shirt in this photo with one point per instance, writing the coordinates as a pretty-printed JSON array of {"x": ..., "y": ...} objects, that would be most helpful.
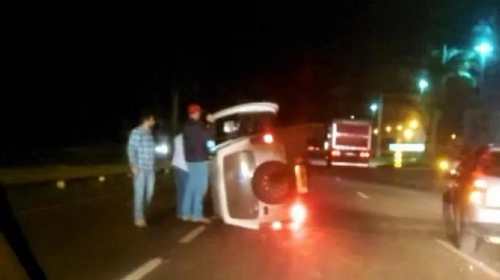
[{"x": 180, "y": 172}]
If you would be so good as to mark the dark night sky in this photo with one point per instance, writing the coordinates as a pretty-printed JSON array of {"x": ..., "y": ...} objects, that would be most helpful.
[{"x": 81, "y": 74}]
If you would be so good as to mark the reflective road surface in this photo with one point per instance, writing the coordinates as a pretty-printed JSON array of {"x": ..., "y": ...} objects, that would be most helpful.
[{"x": 355, "y": 230}]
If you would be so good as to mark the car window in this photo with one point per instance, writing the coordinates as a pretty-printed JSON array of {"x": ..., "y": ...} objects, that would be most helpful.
[{"x": 235, "y": 126}]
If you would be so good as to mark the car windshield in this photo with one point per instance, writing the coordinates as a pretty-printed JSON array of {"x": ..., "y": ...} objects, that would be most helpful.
[{"x": 235, "y": 126}]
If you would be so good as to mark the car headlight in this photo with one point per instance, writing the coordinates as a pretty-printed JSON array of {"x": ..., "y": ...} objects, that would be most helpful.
[{"x": 162, "y": 149}]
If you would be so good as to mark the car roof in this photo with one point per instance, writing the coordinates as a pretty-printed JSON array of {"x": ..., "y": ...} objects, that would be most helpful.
[{"x": 253, "y": 107}]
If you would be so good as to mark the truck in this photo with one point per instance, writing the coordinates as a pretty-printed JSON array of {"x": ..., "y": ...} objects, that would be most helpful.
[{"x": 349, "y": 143}]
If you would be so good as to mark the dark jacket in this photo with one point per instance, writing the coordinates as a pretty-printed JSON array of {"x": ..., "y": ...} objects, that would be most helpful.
[{"x": 196, "y": 134}]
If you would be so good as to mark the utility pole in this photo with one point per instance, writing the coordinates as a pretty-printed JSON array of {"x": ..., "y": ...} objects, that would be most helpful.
[{"x": 378, "y": 151}]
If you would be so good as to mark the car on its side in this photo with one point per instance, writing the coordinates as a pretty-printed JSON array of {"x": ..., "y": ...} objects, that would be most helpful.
[{"x": 253, "y": 184}]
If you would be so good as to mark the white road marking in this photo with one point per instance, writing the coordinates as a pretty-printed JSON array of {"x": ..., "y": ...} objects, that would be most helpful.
[
  {"x": 490, "y": 271},
  {"x": 143, "y": 270},
  {"x": 362, "y": 195},
  {"x": 190, "y": 236}
]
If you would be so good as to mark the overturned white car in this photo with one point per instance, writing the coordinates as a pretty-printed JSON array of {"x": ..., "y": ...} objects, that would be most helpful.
[{"x": 252, "y": 183}]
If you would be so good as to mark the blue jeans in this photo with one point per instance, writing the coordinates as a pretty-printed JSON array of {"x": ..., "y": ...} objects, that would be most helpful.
[
  {"x": 144, "y": 183},
  {"x": 196, "y": 187},
  {"x": 181, "y": 177}
]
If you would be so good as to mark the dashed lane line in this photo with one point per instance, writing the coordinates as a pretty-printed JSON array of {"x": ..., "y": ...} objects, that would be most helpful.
[
  {"x": 143, "y": 270},
  {"x": 362, "y": 195},
  {"x": 190, "y": 236}
]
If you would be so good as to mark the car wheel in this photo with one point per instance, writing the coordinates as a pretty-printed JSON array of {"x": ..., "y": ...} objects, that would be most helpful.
[{"x": 273, "y": 182}]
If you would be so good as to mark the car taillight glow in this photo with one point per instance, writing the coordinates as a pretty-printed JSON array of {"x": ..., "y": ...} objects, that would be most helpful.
[
  {"x": 480, "y": 184},
  {"x": 298, "y": 213},
  {"x": 476, "y": 197},
  {"x": 268, "y": 138},
  {"x": 336, "y": 153},
  {"x": 295, "y": 226},
  {"x": 276, "y": 225},
  {"x": 364, "y": 154}
]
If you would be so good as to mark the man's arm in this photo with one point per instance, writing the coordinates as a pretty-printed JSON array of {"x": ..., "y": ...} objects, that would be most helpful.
[
  {"x": 209, "y": 129},
  {"x": 132, "y": 149}
]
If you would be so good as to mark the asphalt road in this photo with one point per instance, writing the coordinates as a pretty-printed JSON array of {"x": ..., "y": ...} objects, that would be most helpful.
[{"x": 355, "y": 231}]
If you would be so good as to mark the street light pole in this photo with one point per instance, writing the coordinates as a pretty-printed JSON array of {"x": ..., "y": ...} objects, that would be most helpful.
[
  {"x": 483, "y": 49},
  {"x": 378, "y": 151}
]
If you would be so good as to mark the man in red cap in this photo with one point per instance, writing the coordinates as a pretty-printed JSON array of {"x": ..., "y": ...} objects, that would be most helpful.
[{"x": 196, "y": 133}]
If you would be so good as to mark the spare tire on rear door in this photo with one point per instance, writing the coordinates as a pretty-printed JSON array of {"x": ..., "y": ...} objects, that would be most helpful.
[{"x": 273, "y": 182}]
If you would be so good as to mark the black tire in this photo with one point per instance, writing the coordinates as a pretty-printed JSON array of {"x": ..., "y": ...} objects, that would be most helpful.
[{"x": 273, "y": 182}]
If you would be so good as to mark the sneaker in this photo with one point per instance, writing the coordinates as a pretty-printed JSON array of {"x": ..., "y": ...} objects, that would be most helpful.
[
  {"x": 202, "y": 220},
  {"x": 140, "y": 224}
]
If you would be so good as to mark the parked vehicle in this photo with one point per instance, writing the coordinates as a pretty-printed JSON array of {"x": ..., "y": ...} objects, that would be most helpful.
[{"x": 471, "y": 203}]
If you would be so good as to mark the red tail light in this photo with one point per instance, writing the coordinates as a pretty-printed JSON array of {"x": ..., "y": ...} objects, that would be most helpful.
[
  {"x": 364, "y": 154},
  {"x": 276, "y": 225},
  {"x": 480, "y": 184},
  {"x": 476, "y": 197},
  {"x": 336, "y": 153},
  {"x": 268, "y": 138},
  {"x": 298, "y": 213}
]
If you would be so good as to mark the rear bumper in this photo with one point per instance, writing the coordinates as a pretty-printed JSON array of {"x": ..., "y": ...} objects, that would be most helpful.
[
  {"x": 484, "y": 221},
  {"x": 350, "y": 161}
]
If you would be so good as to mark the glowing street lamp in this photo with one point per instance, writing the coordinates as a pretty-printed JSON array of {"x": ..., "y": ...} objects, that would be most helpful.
[
  {"x": 423, "y": 84},
  {"x": 388, "y": 128},
  {"x": 399, "y": 127},
  {"x": 408, "y": 134},
  {"x": 484, "y": 48},
  {"x": 374, "y": 107},
  {"x": 414, "y": 124}
]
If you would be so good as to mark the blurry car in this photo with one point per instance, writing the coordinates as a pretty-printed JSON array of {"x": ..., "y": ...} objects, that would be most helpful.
[
  {"x": 252, "y": 183},
  {"x": 317, "y": 152},
  {"x": 471, "y": 203}
]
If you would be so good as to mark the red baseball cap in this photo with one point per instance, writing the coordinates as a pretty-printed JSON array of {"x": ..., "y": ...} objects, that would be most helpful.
[{"x": 193, "y": 108}]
